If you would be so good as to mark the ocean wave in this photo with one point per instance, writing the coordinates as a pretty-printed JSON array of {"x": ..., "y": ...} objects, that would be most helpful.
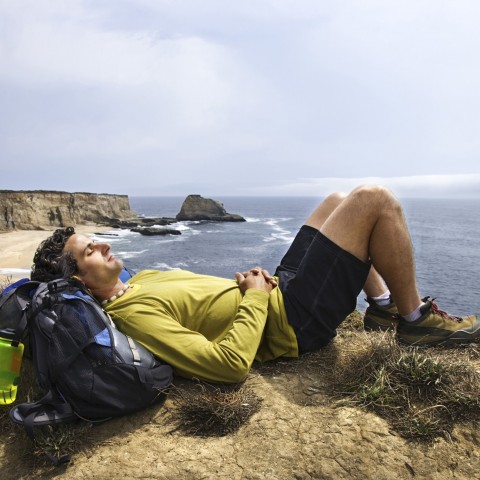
[
  {"x": 177, "y": 226},
  {"x": 253, "y": 219},
  {"x": 275, "y": 221},
  {"x": 164, "y": 266},
  {"x": 15, "y": 271},
  {"x": 284, "y": 237},
  {"x": 167, "y": 239},
  {"x": 186, "y": 223},
  {"x": 128, "y": 255},
  {"x": 114, "y": 236},
  {"x": 279, "y": 233}
]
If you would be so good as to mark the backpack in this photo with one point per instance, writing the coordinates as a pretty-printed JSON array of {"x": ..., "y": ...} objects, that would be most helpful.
[{"x": 86, "y": 367}]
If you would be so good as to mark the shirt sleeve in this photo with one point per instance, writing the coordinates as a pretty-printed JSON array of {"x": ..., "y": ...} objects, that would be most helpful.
[{"x": 190, "y": 353}]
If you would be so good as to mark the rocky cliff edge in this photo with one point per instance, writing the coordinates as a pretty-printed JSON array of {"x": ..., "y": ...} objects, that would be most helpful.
[{"x": 39, "y": 210}]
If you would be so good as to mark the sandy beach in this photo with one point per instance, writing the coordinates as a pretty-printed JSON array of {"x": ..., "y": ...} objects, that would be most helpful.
[{"x": 18, "y": 247}]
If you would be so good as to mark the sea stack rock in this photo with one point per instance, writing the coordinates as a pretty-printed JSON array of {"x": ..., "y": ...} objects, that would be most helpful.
[{"x": 195, "y": 207}]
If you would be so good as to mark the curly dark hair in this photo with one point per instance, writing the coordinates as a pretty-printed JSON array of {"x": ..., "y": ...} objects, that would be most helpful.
[{"x": 50, "y": 261}]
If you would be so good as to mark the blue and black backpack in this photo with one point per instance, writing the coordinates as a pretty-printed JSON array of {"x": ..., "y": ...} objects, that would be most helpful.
[{"x": 86, "y": 368}]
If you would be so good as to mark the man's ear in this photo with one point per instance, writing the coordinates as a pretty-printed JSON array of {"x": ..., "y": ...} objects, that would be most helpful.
[{"x": 68, "y": 266}]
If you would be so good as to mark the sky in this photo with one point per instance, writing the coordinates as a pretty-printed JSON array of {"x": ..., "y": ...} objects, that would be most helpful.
[{"x": 251, "y": 97}]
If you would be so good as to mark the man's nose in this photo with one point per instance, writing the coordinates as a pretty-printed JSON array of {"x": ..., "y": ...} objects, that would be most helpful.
[{"x": 104, "y": 248}]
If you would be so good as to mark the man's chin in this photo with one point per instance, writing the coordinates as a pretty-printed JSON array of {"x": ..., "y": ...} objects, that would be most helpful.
[{"x": 118, "y": 265}]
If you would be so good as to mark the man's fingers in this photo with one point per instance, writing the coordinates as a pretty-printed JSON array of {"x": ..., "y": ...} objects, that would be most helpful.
[
  {"x": 268, "y": 277},
  {"x": 240, "y": 277},
  {"x": 252, "y": 271},
  {"x": 258, "y": 271}
]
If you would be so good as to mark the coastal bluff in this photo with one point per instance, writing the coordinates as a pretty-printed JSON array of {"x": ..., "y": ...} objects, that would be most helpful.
[{"x": 42, "y": 210}]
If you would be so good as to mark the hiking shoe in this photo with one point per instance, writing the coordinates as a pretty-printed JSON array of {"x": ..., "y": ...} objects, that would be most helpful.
[
  {"x": 435, "y": 327},
  {"x": 378, "y": 318}
]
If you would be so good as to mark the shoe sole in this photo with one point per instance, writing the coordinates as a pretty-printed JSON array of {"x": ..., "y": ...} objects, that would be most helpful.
[
  {"x": 457, "y": 338},
  {"x": 370, "y": 325}
]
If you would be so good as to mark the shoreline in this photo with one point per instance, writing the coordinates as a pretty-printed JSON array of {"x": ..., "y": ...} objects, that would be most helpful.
[{"x": 17, "y": 248}]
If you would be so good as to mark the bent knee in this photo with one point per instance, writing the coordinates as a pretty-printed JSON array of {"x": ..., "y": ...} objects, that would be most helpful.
[
  {"x": 376, "y": 195},
  {"x": 335, "y": 199}
]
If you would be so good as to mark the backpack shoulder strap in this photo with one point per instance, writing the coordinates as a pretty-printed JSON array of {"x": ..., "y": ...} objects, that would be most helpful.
[
  {"x": 23, "y": 293},
  {"x": 49, "y": 410}
]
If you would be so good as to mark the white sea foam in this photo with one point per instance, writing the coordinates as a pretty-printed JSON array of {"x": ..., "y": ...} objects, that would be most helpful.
[
  {"x": 114, "y": 236},
  {"x": 127, "y": 255},
  {"x": 164, "y": 266},
  {"x": 253, "y": 219},
  {"x": 279, "y": 233},
  {"x": 275, "y": 221},
  {"x": 15, "y": 271},
  {"x": 180, "y": 228},
  {"x": 284, "y": 237},
  {"x": 186, "y": 223}
]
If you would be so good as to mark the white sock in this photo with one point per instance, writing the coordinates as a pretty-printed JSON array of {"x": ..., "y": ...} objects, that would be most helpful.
[
  {"x": 383, "y": 299},
  {"x": 415, "y": 315}
]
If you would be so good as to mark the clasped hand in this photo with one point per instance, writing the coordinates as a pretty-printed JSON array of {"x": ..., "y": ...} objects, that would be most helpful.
[{"x": 257, "y": 277}]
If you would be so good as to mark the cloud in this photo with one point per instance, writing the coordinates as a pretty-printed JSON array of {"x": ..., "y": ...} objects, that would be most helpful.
[
  {"x": 417, "y": 186},
  {"x": 227, "y": 94},
  {"x": 110, "y": 93}
]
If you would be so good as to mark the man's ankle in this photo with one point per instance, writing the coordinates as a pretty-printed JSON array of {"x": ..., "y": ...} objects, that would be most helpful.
[
  {"x": 415, "y": 315},
  {"x": 383, "y": 300}
]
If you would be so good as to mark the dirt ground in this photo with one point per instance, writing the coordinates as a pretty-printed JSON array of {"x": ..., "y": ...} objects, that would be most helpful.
[{"x": 299, "y": 433}]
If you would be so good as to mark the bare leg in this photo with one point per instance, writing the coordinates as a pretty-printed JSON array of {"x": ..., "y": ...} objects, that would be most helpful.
[
  {"x": 325, "y": 209},
  {"x": 374, "y": 286},
  {"x": 369, "y": 223}
]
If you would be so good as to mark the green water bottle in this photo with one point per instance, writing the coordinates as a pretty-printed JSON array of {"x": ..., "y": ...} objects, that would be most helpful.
[{"x": 11, "y": 353}]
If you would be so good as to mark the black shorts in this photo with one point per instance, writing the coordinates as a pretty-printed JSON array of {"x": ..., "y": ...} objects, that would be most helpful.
[{"x": 320, "y": 283}]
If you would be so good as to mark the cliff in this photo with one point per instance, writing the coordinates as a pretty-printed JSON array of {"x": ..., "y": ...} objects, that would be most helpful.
[
  {"x": 195, "y": 207},
  {"x": 39, "y": 210}
]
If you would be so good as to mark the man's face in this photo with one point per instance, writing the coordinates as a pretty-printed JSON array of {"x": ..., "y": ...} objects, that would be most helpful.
[{"x": 97, "y": 266}]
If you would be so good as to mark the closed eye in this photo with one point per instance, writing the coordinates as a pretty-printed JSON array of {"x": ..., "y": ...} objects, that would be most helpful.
[{"x": 89, "y": 249}]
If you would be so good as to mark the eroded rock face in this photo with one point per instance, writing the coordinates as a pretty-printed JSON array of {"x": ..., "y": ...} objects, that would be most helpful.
[
  {"x": 195, "y": 207},
  {"x": 156, "y": 231},
  {"x": 38, "y": 210}
]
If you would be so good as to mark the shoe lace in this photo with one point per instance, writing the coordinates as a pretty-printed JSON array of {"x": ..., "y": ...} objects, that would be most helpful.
[{"x": 442, "y": 313}]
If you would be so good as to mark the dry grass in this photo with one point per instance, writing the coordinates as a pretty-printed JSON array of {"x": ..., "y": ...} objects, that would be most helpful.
[
  {"x": 421, "y": 392},
  {"x": 5, "y": 282},
  {"x": 206, "y": 410}
]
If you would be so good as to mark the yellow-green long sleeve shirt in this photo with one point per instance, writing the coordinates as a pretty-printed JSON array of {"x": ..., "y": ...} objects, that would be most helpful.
[{"x": 203, "y": 325}]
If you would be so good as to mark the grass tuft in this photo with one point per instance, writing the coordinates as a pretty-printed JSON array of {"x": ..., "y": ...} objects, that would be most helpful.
[
  {"x": 421, "y": 392},
  {"x": 208, "y": 410}
]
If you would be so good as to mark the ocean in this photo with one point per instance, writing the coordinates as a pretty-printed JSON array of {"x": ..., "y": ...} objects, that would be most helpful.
[{"x": 445, "y": 235}]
